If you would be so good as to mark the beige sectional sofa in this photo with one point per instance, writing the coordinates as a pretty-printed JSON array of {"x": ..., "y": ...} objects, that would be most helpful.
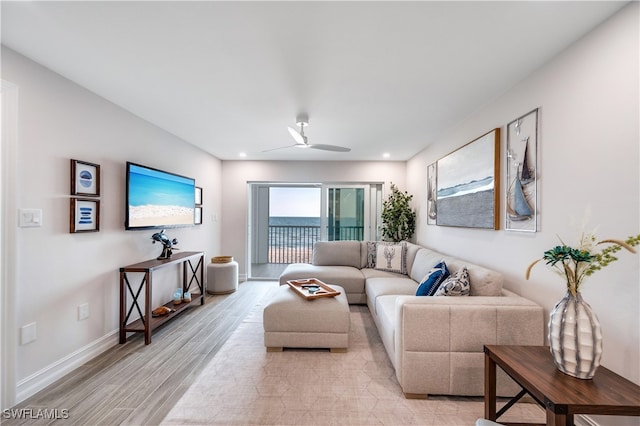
[{"x": 435, "y": 343}]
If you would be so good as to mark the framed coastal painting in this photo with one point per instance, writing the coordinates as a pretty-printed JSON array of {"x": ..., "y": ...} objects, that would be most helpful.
[
  {"x": 85, "y": 178},
  {"x": 431, "y": 194},
  {"x": 467, "y": 190},
  {"x": 522, "y": 172},
  {"x": 85, "y": 215}
]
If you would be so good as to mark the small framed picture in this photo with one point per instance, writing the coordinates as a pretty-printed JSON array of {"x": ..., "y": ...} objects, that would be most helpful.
[
  {"x": 198, "y": 196},
  {"x": 197, "y": 217},
  {"x": 85, "y": 215},
  {"x": 85, "y": 178}
]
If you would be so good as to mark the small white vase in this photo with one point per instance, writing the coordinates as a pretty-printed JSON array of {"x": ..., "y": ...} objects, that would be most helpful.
[{"x": 575, "y": 337}]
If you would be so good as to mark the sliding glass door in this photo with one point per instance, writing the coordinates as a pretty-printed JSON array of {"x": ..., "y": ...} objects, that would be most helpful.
[
  {"x": 345, "y": 212},
  {"x": 286, "y": 219}
]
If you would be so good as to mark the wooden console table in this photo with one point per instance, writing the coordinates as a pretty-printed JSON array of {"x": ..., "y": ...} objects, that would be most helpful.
[
  {"x": 147, "y": 323},
  {"x": 561, "y": 395}
]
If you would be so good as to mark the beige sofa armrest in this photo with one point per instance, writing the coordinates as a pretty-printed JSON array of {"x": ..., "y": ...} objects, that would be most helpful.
[
  {"x": 447, "y": 335},
  {"x": 467, "y": 323}
]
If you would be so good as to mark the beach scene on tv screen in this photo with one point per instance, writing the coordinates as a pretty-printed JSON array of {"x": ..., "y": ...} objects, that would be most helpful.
[{"x": 159, "y": 199}]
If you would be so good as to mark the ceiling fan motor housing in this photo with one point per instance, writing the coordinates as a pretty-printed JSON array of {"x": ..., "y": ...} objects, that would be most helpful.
[{"x": 302, "y": 120}]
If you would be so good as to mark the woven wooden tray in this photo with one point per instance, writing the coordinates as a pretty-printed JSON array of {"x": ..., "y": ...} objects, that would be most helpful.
[{"x": 305, "y": 288}]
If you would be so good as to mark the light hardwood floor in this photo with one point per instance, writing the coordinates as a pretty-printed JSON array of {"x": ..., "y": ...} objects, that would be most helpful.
[{"x": 137, "y": 384}]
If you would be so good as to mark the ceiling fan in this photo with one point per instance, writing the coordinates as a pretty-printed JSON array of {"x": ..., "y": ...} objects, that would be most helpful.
[{"x": 302, "y": 120}]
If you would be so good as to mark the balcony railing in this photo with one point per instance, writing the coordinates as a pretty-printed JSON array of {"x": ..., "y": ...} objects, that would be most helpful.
[{"x": 294, "y": 244}]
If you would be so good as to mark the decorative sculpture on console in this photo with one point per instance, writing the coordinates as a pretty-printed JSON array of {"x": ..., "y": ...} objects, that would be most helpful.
[{"x": 167, "y": 244}]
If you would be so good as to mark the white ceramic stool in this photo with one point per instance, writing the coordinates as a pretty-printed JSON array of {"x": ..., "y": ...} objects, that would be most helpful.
[{"x": 222, "y": 278}]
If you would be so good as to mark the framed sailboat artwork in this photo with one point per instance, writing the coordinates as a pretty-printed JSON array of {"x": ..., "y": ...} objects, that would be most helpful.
[{"x": 521, "y": 209}]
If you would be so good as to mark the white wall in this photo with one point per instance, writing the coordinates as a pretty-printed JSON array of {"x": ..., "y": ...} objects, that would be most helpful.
[
  {"x": 237, "y": 174},
  {"x": 589, "y": 161},
  {"x": 56, "y": 271}
]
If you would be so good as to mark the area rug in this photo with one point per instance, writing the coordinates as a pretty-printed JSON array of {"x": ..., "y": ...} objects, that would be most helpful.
[{"x": 245, "y": 385}]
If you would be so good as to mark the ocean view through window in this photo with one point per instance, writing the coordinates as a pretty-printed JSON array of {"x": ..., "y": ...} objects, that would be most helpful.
[
  {"x": 294, "y": 223},
  {"x": 291, "y": 239}
]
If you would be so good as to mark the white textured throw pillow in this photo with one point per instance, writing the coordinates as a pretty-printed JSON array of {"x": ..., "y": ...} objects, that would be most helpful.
[
  {"x": 456, "y": 285},
  {"x": 391, "y": 257}
]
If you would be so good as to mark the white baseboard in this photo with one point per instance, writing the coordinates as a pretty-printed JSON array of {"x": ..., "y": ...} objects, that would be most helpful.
[
  {"x": 242, "y": 277},
  {"x": 39, "y": 380}
]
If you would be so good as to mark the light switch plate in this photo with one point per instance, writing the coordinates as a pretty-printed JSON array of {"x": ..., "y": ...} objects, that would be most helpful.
[{"x": 30, "y": 218}]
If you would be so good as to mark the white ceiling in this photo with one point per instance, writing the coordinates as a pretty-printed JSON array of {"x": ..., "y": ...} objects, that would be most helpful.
[{"x": 231, "y": 76}]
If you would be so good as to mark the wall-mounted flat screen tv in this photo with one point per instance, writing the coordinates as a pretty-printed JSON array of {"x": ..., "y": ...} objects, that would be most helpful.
[{"x": 158, "y": 199}]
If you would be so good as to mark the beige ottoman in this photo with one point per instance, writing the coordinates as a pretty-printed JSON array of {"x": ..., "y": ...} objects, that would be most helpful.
[{"x": 291, "y": 321}]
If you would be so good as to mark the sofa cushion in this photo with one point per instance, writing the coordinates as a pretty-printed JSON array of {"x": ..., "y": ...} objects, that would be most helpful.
[
  {"x": 455, "y": 285},
  {"x": 376, "y": 287},
  {"x": 423, "y": 262},
  {"x": 376, "y": 273},
  {"x": 431, "y": 282},
  {"x": 336, "y": 253},
  {"x": 388, "y": 285},
  {"x": 386, "y": 324},
  {"x": 484, "y": 282},
  {"x": 391, "y": 257},
  {"x": 412, "y": 249}
]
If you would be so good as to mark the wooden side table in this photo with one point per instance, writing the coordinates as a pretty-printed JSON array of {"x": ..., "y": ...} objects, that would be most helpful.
[
  {"x": 192, "y": 263},
  {"x": 561, "y": 395}
]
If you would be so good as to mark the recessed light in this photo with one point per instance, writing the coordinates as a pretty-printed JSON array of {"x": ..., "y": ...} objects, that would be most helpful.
[
  {"x": 243, "y": 154},
  {"x": 386, "y": 155}
]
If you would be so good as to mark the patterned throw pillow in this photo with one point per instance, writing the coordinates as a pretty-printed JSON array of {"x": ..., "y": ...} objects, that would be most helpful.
[
  {"x": 431, "y": 282},
  {"x": 391, "y": 257},
  {"x": 456, "y": 285},
  {"x": 371, "y": 254}
]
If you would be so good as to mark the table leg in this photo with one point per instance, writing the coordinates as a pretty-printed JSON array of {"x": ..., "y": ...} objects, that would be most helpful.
[
  {"x": 123, "y": 308},
  {"x": 203, "y": 283},
  {"x": 558, "y": 419},
  {"x": 186, "y": 263},
  {"x": 489, "y": 388},
  {"x": 147, "y": 309}
]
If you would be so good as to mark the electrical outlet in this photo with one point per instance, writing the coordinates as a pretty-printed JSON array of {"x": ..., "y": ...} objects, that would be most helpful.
[
  {"x": 83, "y": 311},
  {"x": 28, "y": 333}
]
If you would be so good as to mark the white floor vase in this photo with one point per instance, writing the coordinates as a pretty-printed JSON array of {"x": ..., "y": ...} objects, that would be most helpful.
[{"x": 575, "y": 337}]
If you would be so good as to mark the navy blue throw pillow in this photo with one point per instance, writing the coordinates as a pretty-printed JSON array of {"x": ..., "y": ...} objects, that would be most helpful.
[{"x": 433, "y": 279}]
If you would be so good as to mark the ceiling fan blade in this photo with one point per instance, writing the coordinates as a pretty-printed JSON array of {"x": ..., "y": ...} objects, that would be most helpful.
[
  {"x": 300, "y": 140},
  {"x": 330, "y": 148},
  {"x": 282, "y": 147}
]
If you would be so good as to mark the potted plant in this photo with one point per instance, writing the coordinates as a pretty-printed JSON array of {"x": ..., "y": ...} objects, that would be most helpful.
[{"x": 398, "y": 218}]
